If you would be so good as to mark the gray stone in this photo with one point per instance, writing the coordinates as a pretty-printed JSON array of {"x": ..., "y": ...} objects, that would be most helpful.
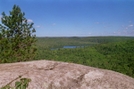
[{"x": 59, "y": 75}]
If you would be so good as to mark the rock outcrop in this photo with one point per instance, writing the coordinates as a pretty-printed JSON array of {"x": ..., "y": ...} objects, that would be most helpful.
[{"x": 59, "y": 75}]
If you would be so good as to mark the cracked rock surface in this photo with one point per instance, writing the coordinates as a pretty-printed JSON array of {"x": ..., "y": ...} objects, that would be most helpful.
[{"x": 59, "y": 75}]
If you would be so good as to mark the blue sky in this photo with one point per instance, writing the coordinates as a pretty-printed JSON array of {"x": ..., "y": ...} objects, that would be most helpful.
[{"x": 77, "y": 17}]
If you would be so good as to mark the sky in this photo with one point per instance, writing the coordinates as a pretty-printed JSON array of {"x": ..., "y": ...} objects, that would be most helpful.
[{"x": 58, "y": 18}]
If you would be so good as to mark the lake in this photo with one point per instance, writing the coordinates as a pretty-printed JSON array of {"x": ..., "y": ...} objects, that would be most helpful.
[{"x": 68, "y": 47}]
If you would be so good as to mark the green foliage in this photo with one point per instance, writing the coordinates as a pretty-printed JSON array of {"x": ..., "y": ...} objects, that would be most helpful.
[
  {"x": 113, "y": 53},
  {"x": 120, "y": 56},
  {"x": 16, "y": 37},
  {"x": 22, "y": 84}
]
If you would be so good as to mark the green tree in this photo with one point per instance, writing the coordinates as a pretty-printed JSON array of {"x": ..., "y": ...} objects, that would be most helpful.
[{"x": 17, "y": 41}]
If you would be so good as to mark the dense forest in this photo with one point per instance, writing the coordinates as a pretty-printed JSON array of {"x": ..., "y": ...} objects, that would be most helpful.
[{"x": 113, "y": 53}]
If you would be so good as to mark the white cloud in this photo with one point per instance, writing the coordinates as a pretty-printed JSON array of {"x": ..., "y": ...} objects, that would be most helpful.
[
  {"x": 29, "y": 20},
  {"x": 117, "y": 33},
  {"x": 38, "y": 26},
  {"x": 0, "y": 17},
  {"x": 124, "y": 32},
  {"x": 105, "y": 26},
  {"x": 122, "y": 25},
  {"x": 131, "y": 25},
  {"x": 126, "y": 28},
  {"x": 89, "y": 33},
  {"x": 130, "y": 21},
  {"x": 97, "y": 22},
  {"x": 54, "y": 24}
]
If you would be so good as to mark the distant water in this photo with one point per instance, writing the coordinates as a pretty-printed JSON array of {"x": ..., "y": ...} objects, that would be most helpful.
[
  {"x": 72, "y": 47},
  {"x": 68, "y": 47}
]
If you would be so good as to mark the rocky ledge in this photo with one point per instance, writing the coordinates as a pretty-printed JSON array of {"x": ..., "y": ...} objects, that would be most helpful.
[{"x": 59, "y": 75}]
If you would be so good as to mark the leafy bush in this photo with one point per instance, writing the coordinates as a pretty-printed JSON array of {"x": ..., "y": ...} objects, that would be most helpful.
[{"x": 22, "y": 84}]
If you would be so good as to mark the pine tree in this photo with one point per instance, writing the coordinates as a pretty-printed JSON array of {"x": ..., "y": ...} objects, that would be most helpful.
[{"x": 17, "y": 41}]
